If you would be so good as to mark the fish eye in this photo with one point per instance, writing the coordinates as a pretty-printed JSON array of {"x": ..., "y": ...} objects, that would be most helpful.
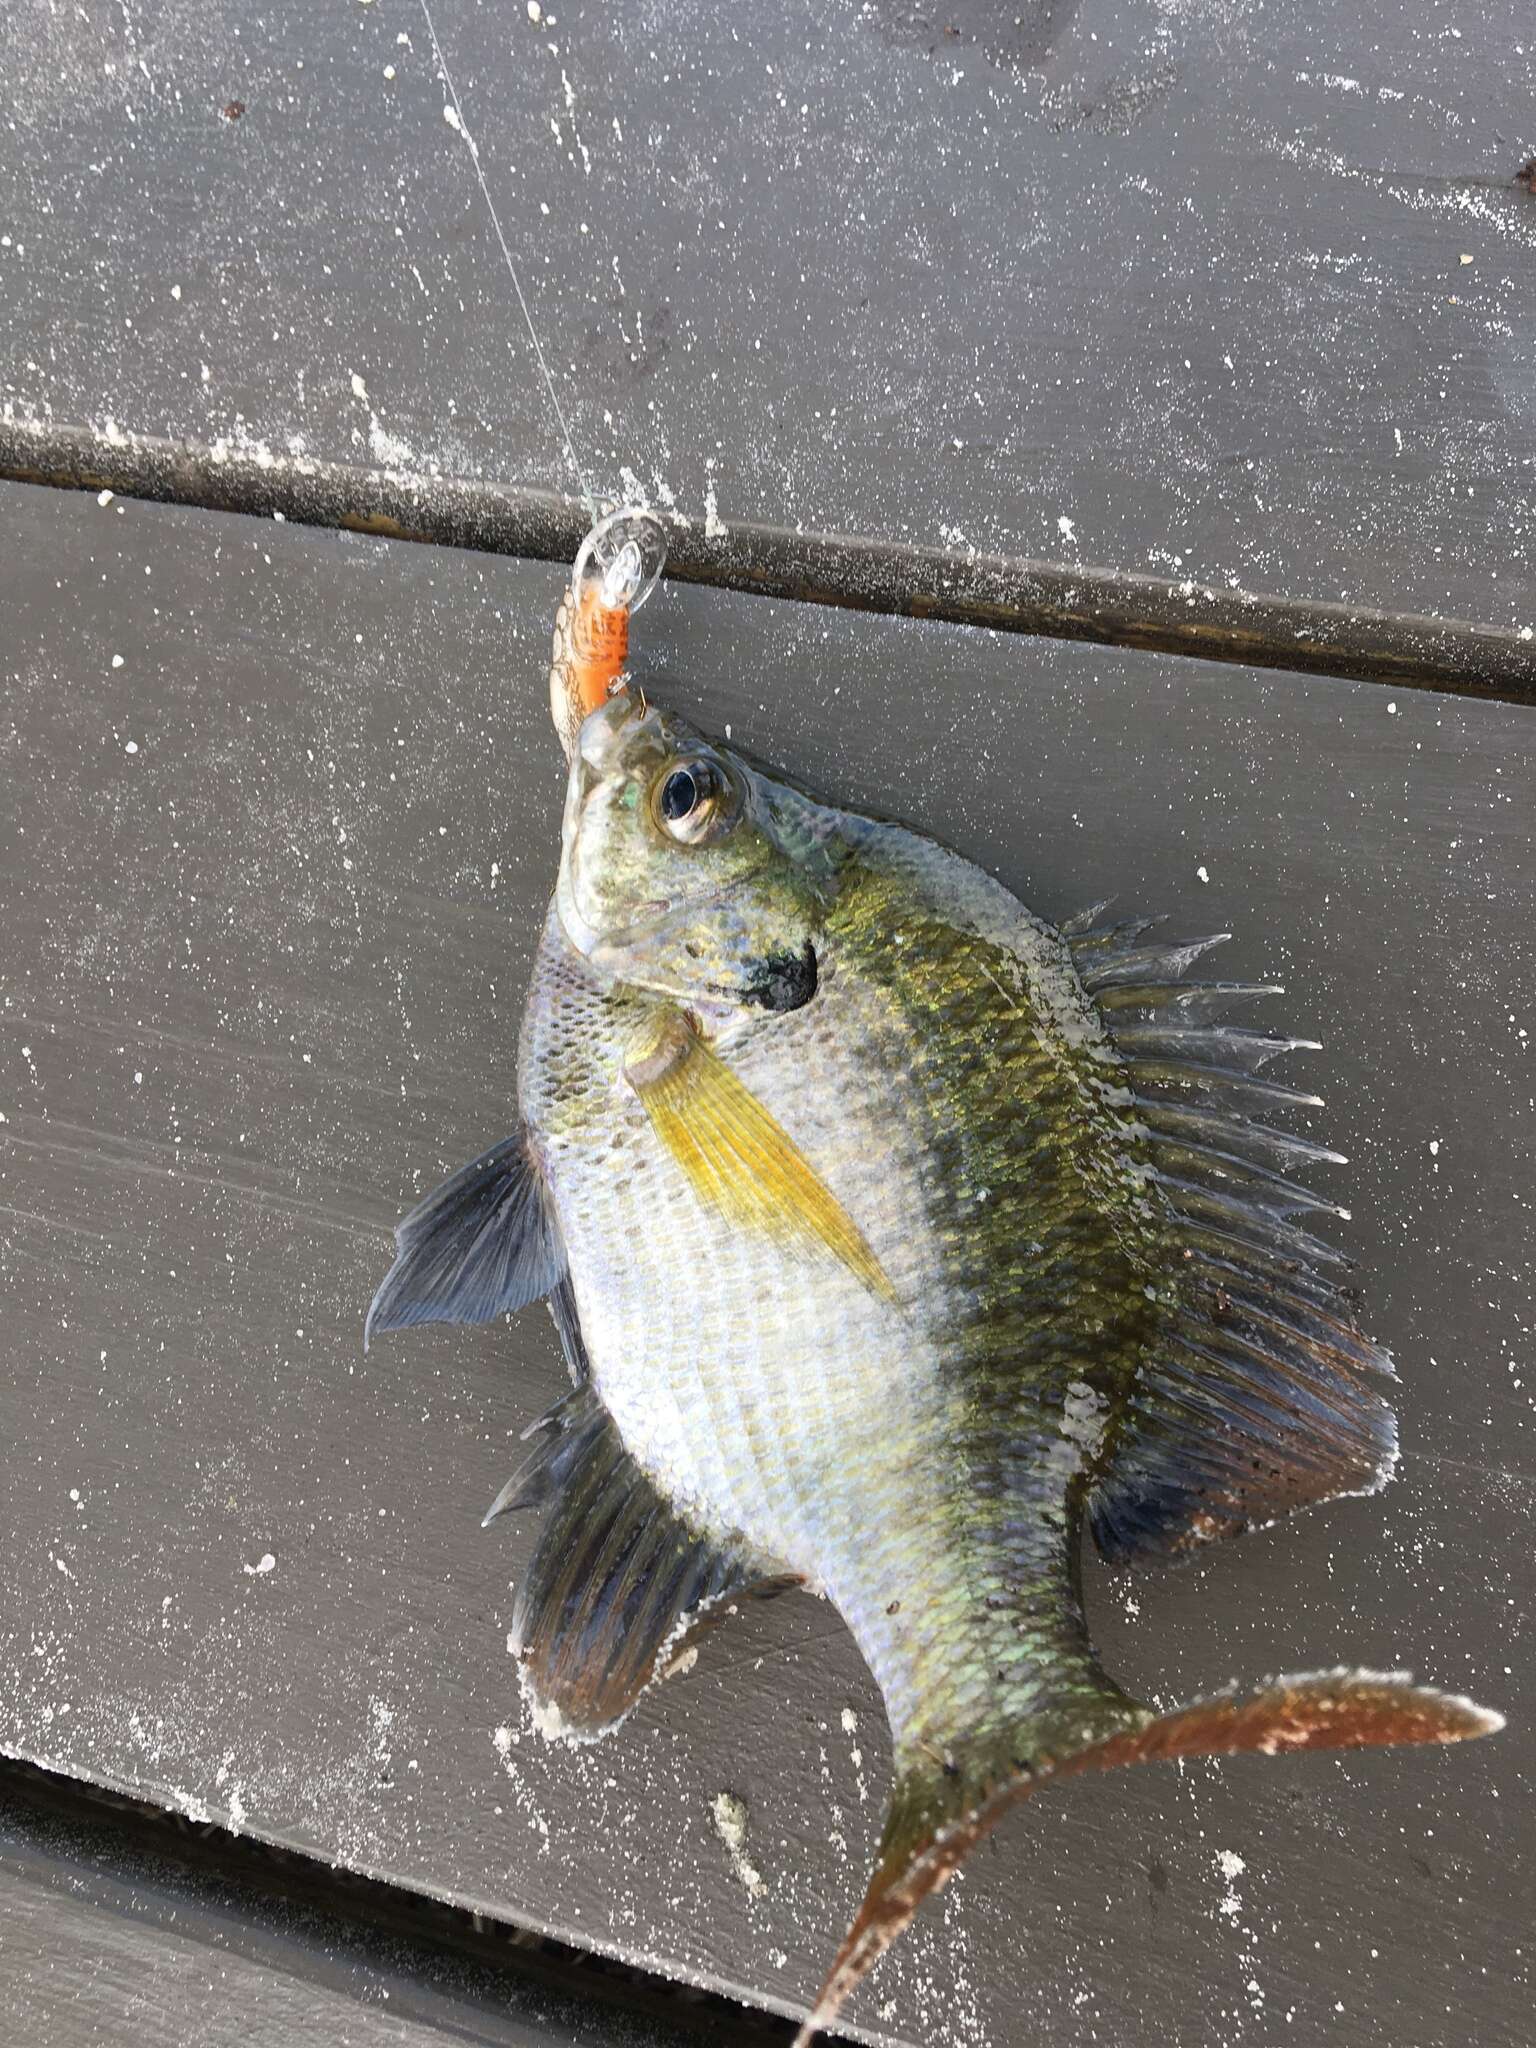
[
  {"x": 694, "y": 801},
  {"x": 679, "y": 795}
]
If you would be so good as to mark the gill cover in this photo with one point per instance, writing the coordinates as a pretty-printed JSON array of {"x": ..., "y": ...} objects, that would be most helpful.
[{"x": 686, "y": 871}]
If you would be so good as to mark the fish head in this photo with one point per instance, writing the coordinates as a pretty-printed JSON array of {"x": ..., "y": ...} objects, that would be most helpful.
[{"x": 686, "y": 869}]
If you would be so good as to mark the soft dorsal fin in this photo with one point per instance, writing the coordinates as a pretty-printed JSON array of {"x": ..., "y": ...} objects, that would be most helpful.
[
  {"x": 479, "y": 1246},
  {"x": 619, "y": 1580},
  {"x": 1262, "y": 1395},
  {"x": 737, "y": 1158}
]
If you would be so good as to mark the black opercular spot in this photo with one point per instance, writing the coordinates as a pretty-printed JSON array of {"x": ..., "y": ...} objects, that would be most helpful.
[
  {"x": 679, "y": 794},
  {"x": 784, "y": 981}
]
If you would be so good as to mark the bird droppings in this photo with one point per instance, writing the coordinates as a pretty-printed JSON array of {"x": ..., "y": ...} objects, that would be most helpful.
[
  {"x": 266, "y": 1562},
  {"x": 730, "y": 1816}
]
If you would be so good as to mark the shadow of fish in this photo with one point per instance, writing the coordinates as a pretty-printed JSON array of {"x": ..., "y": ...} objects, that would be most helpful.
[{"x": 894, "y": 1238}]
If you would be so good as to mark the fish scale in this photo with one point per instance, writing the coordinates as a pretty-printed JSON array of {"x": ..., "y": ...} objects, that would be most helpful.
[{"x": 888, "y": 1257}]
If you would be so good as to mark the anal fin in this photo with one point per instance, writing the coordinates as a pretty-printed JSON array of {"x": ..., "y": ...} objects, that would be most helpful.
[{"x": 619, "y": 1580}]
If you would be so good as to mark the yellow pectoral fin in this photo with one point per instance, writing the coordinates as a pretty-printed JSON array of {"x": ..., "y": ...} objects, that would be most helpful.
[{"x": 737, "y": 1158}]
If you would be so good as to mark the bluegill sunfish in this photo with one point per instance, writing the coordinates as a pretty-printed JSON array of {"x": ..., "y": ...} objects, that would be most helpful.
[{"x": 895, "y": 1239}]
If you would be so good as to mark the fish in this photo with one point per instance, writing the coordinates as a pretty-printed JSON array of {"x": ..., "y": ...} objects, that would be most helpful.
[{"x": 900, "y": 1244}]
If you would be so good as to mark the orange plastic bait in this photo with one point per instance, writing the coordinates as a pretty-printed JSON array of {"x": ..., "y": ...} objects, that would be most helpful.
[{"x": 616, "y": 569}]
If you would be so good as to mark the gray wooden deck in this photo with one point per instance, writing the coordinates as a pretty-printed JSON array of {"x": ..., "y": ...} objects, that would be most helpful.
[
  {"x": 280, "y": 818},
  {"x": 1190, "y": 277}
]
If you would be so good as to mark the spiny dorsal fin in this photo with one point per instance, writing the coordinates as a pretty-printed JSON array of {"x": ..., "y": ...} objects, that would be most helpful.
[
  {"x": 736, "y": 1157},
  {"x": 479, "y": 1246},
  {"x": 619, "y": 1579},
  {"x": 1262, "y": 1395}
]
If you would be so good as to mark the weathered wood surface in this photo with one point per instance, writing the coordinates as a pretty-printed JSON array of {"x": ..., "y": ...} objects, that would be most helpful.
[
  {"x": 1004, "y": 593},
  {"x": 115, "y": 1927},
  {"x": 84, "y": 1965},
  {"x": 272, "y": 888},
  {"x": 1207, "y": 289}
]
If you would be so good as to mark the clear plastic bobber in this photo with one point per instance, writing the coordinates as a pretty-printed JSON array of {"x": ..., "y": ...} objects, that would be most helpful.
[{"x": 624, "y": 556}]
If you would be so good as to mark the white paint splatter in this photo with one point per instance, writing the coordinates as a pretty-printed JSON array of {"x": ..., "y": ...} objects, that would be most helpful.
[
  {"x": 504, "y": 1740},
  {"x": 388, "y": 448},
  {"x": 1231, "y": 1866},
  {"x": 730, "y": 1817}
]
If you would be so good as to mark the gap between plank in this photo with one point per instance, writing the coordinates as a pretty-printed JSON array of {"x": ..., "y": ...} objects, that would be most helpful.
[
  {"x": 1053, "y": 600},
  {"x": 105, "y": 1847}
]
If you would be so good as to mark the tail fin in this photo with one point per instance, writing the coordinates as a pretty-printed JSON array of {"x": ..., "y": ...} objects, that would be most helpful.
[{"x": 930, "y": 1829}]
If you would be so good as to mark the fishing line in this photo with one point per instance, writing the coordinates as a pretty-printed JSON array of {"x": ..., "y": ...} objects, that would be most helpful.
[{"x": 461, "y": 127}]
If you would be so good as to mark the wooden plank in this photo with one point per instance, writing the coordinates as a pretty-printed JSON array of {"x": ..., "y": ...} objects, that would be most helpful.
[
  {"x": 1106, "y": 607},
  {"x": 262, "y": 976},
  {"x": 75, "y": 1971},
  {"x": 1207, "y": 291},
  {"x": 120, "y": 1924}
]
